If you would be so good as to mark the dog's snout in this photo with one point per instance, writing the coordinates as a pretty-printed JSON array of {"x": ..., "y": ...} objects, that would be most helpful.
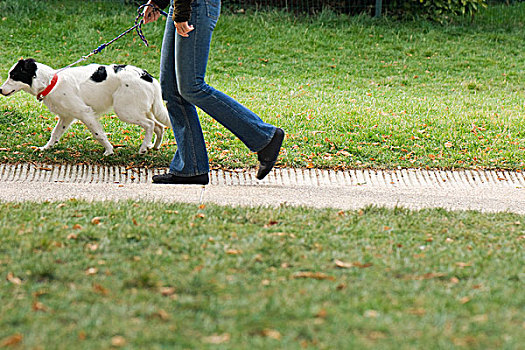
[{"x": 5, "y": 92}]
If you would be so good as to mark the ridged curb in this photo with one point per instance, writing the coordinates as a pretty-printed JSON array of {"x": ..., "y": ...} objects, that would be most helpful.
[{"x": 404, "y": 178}]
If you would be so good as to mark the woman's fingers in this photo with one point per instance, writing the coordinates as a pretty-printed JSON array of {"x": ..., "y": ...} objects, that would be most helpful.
[{"x": 183, "y": 28}]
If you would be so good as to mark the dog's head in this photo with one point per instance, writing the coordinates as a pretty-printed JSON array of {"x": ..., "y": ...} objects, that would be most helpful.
[{"x": 20, "y": 77}]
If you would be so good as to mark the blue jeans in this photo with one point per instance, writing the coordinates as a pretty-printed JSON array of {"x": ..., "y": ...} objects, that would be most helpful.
[{"x": 183, "y": 66}]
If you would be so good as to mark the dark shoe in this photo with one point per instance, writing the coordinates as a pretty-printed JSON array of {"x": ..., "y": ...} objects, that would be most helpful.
[
  {"x": 268, "y": 155},
  {"x": 181, "y": 180}
]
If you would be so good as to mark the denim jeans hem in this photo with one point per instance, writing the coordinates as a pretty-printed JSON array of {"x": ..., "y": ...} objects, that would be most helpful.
[
  {"x": 187, "y": 175},
  {"x": 267, "y": 143}
]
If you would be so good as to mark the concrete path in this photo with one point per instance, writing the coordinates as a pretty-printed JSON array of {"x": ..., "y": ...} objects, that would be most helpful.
[{"x": 488, "y": 191}]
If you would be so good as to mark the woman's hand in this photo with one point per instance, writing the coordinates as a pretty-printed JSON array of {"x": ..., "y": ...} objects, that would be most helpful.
[
  {"x": 150, "y": 13},
  {"x": 183, "y": 28}
]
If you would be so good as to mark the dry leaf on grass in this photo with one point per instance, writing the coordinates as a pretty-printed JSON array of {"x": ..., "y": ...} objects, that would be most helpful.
[
  {"x": 38, "y": 306},
  {"x": 13, "y": 279},
  {"x": 167, "y": 291},
  {"x": 118, "y": 341},
  {"x": 271, "y": 333},
  {"x": 314, "y": 275},
  {"x": 11, "y": 340},
  {"x": 161, "y": 314},
  {"x": 217, "y": 338},
  {"x": 464, "y": 300},
  {"x": 97, "y": 288},
  {"x": 91, "y": 271},
  {"x": 346, "y": 265},
  {"x": 96, "y": 220},
  {"x": 463, "y": 264}
]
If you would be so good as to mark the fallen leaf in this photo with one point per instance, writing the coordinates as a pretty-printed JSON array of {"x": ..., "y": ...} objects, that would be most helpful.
[
  {"x": 314, "y": 275},
  {"x": 92, "y": 246},
  {"x": 346, "y": 265},
  {"x": 464, "y": 300},
  {"x": 11, "y": 340},
  {"x": 217, "y": 338},
  {"x": 91, "y": 271},
  {"x": 72, "y": 236},
  {"x": 371, "y": 313},
  {"x": 96, "y": 220},
  {"x": 77, "y": 227},
  {"x": 462, "y": 264},
  {"x": 341, "y": 286},
  {"x": 118, "y": 341},
  {"x": 167, "y": 291},
  {"x": 343, "y": 265},
  {"x": 38, "y": 306},
  {"x": 448, "y": 144},
  {"x": 13, "y": 279},
  {"x": 161, "y": 314},
  {"x": 233, "y": 252},
  {"x": 271, "y": 223},
  {"x": 321, "y": 314},
  {"x": 271, "y": 333},
  {"x": 97, "y": 288}
]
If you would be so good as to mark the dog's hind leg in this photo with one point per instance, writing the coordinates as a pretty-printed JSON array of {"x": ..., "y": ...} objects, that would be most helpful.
[
  {"x": 158, "y": 130},
  {"x": 149, "y": 128},
  {"x": 138, "y": 118},
  {"x": 58, "y": 131}
]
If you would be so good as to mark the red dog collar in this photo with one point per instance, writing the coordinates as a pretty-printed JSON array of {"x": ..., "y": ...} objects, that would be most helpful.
[{"x": 48, "y": 89}]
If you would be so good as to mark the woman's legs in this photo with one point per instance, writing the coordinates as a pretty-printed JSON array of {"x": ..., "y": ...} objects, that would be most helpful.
[
  {"x": 183, "y": 68},
  {"x": 191, "y": 157}
]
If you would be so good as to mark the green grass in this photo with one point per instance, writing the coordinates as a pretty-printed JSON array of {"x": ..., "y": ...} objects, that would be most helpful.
[
  {"x": 349, "y": 91},
  {"x": 77, "y": 275}
]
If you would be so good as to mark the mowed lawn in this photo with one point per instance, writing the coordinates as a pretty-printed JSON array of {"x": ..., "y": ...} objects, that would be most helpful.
[
  {"x": 149, "y": 276},
  {"x": 349, "y": 91}
]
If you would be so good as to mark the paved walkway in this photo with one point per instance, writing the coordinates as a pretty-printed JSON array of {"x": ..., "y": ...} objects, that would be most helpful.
[{"x": 488, "y": 191}]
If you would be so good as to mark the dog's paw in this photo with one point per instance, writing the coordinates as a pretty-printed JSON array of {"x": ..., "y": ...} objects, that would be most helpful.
[
  {"x": 43, "y": 148},
  {"x": 143, "y": 150},
  {"x": 108, "y": 153}
]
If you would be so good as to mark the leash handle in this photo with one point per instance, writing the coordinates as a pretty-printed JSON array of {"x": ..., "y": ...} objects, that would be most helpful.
[{"x": 139, "y": 20}]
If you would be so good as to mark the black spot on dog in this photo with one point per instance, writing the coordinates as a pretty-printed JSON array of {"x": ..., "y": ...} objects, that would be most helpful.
[
  {"x": 146, "y": 76},
  {"x": 100, "y": 75},
  {"x": 118, "y": 67},
  {"x": 24, "y": 71},
  {"x": 127, "y": 85}
]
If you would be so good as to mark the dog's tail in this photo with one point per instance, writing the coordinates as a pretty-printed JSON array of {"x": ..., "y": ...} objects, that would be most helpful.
[{"x": 159, "y": 110}]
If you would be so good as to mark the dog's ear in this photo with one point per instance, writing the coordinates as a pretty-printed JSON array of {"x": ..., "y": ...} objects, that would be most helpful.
[{"x": 26, "y": 62}]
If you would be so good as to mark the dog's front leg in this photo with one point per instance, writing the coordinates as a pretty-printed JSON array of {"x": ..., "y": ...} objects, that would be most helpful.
[
  {"x": 98, "y": 133},
  {"x": 59, "y": 130}
]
